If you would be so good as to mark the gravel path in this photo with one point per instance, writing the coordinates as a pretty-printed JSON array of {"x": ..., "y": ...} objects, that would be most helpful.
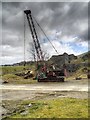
[
  {"x": 73, "y": 88},
  {"x": 12, "y": 94}
]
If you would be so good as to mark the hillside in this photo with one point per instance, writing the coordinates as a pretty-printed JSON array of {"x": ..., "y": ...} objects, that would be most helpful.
[
  {"x": 62, "y": 59},
  {"x": 84, "y": 54},
  {"x": 59, "y": 60},
  {"x": 76, "y": 66},
  {"x": 72, "y": 62}
]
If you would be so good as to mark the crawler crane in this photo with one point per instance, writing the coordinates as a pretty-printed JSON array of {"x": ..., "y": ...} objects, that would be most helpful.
[{"x": 43, "y": 74}]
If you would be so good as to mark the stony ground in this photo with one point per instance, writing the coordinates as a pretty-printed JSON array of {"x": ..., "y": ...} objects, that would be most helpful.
[{"x": 13, "y": 94}]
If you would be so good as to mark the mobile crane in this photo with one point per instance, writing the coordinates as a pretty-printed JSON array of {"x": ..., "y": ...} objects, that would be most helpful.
[{"x": 43, "y": 74}]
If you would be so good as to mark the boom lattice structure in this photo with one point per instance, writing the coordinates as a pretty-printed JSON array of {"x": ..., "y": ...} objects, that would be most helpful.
[
  {"x": 43, "y": 74},
  {"x": 34, "y": 35}
]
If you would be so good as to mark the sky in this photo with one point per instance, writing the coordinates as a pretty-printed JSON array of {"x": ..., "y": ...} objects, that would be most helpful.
[{"x": 65, "y": 24}]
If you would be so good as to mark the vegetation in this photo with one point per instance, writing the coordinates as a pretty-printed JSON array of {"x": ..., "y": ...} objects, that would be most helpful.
[
  {"x": 15, "y": 69},
  {"x": 81, "y": 72},
  {"x": 11, "y": 78},
  {"x": 55, "y": 108},
  {"x": 47, "y": 108},
  {"x": 8, "y": 74}
]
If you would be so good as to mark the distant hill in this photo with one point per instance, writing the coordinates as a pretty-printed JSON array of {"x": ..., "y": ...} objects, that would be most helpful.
[
  {"x": 23, "y": 63},
  {"x": 85, "y": 56},
  {"x": 55, "y": 59},
  {"x": 62, "y": 59},
  {"x": 72, "y": 62}
]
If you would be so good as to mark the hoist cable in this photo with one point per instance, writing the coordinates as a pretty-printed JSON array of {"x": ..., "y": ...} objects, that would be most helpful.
[
  {"x": 24, "y": 40},
  {"x": 45, "y": 35}
]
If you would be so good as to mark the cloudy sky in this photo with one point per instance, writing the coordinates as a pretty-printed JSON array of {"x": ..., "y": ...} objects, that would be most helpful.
[{"x": 65, "y": 23}]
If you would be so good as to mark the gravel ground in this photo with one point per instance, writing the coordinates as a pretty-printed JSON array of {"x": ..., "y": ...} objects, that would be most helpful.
[
  {"x": 17, "y": 92},
  {"x": 12, "y": 94}
]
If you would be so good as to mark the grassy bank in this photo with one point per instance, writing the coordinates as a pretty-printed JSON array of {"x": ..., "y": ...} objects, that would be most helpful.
[
  {"x": 15, "y": 69},
  {"x": 55, "y": 108},
  {"x": 8, "y": 74},
  {"x": 14, "y": 79}
]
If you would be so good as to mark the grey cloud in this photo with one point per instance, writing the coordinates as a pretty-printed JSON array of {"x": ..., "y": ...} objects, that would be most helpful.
[
  {"x": 77, "y": 11},
  {"x": 65, "y": 16}
]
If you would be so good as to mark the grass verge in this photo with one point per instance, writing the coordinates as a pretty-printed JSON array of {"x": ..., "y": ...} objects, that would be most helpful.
[
  {"x": 14, "y": 79},
  {"x": 55, "y": 108}
]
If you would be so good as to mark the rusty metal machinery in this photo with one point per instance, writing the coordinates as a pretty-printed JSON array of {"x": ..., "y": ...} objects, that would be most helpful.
[
  {"x": 34, "y": 35},
  {"x": 43, "y": 74}
]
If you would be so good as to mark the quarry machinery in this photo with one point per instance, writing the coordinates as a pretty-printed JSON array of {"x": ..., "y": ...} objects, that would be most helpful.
[{"x": 43, "y": 72}]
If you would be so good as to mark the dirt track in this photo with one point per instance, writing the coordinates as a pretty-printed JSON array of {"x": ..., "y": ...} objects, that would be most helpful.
[
  {"x": 13, "y": 94},
  {"x": 72, "y": 88}
]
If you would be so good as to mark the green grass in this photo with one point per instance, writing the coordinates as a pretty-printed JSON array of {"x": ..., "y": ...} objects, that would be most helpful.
[
  {"x": 14, "y": 79},
  {"x": 79, "y": 73},
  {"x": 56, "y": 108},
  {"x": 8, "y": 74},
  {"x": 14, "y": 69}
]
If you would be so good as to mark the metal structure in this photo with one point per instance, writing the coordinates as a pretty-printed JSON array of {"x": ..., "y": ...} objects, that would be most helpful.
[
  {"x": 43, "y": 74},
  {"x": 34, "y": 35}
]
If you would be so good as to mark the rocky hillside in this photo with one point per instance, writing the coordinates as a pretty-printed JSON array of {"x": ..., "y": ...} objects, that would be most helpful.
[
  {"x": 72, "y": 62},
  {"x": 62, "y": 59},
  {"x": 85, "y": 56}
]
